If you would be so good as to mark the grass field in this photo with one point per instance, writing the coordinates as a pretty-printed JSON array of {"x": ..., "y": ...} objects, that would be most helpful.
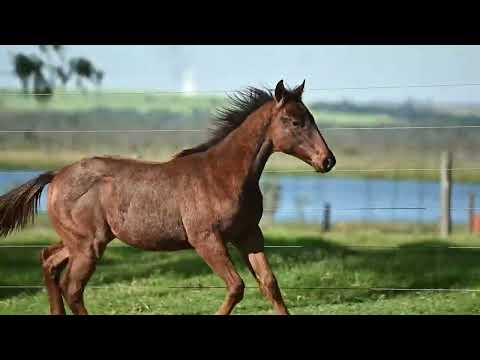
[
  {"x": 138, "y": 282},
  {"x": 340, "y": 118},
  {"x": 13, "y": 100}
]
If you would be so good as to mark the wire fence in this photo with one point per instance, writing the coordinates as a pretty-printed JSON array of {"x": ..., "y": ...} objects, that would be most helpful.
[
  {"x": 309, "y": 246},
  {"x": 211, "y": 287},
  {"x": 217, "y": 91},
  {"x": 394, "y": 170},
  {"x": 116, "y": 131},
  {"x": 313, "y": 171}
]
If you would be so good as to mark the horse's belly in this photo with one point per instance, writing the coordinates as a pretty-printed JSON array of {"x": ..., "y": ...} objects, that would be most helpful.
[
  {"x": 157, "y": 228},
  {"x": 162, "y": 243},
  {"x": 147, "y": 221},
  {"x": 158, "y": 237}
]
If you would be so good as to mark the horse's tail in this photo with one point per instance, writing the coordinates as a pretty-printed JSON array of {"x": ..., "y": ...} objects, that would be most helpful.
[{"x": 19, "y": 206}]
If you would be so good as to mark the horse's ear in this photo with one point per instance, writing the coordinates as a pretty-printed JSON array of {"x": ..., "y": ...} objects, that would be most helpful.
[
  {"x": 280, "y": 93},
  {"x": 299, "y": 89}
]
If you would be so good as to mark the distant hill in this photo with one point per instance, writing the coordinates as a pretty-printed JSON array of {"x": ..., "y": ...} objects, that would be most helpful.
[
  {"x": 408, "y": 112},
  {"x": 161, "y": 109}
]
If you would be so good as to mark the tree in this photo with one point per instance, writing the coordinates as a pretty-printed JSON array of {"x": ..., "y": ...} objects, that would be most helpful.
[
  {"x": 83, "y": 68},
  {"x": 39, "y": 75},
  {"x": 25, "y": 67}
]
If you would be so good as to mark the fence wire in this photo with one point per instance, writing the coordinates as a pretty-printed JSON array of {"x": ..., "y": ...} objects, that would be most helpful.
[
  {"x": 346, "y": 247},
  {"x": 210, "y": 287},
  {"x": 116, "y": 131},
  {"x": 313, "y": 171},
  {"x": 162, "y": 92}
]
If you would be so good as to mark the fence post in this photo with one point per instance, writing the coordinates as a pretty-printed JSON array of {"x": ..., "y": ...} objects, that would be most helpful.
[
  {"x": 471, "y": 210},
  {"x": 445, "y": 194},
  {"x": 270, "y": 190},
  {"x": 326, "y": 218}
]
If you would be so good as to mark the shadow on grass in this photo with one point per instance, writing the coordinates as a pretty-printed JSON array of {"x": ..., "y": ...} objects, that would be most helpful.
[
  {"x": 21, "y": 266},
  {"x": 426, "y": 264}
]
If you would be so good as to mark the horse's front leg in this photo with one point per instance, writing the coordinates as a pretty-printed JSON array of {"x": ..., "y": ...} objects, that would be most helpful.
[
  {"x": 213, "y": 250},
  {"x": 253, "y": 254}
]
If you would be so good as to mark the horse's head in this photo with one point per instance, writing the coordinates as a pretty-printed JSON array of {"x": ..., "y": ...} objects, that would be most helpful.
[{"x": 293, "y": 130}]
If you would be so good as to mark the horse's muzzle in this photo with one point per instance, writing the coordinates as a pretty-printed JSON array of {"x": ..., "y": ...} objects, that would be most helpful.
[
  {"x": 325, "y": 165},
  {"x": 329, "y": 163}
]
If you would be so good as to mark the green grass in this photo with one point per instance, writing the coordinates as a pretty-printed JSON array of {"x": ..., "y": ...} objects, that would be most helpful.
[
  {"x": 12, "y": 100},
  {"x": 138, "y": 281},
  {"x": 339, "y": 118}
]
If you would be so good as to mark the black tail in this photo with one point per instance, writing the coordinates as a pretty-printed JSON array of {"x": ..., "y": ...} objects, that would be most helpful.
[{"x": 19, "y": 206}]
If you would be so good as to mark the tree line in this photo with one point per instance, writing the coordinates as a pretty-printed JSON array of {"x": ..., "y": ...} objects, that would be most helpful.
[{"x": 41, "y": 74}]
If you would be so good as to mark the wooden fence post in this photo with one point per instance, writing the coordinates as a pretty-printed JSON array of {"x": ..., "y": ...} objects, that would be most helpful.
[
  {"x": 445, "y": 194},
  {"x": 270, "y": 190},
  {"x": 471, "y": 211},
  {"x": 326, "y": 218}
]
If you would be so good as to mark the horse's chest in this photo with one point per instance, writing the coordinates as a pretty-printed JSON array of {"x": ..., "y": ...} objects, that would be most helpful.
[{"x": 238, "y": 212}]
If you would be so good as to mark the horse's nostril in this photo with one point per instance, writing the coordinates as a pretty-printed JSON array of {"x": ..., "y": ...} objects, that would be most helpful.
[
  {"x": 329, "y": 163},
  {"x": 333, "y": 161}
]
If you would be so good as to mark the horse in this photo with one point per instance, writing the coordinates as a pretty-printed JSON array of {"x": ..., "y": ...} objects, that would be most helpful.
[{"x": 202, "y": 199}]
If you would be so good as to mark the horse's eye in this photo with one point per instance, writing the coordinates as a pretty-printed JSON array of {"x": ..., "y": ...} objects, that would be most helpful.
[
  {"x": 297, "y": 123},
  {"x": 294, "y": 122}
]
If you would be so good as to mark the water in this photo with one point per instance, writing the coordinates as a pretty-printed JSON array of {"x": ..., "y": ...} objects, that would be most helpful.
[{"x": 342, "y": 194}]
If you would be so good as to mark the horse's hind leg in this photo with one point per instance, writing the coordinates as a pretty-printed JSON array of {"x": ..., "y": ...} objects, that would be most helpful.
[
  {"x": 79, "y": 270},
  {"x": 53, "y": 259}
]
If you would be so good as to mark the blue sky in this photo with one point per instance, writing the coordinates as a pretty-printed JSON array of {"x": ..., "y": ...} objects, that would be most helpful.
[{"x": 203, "y": 68}]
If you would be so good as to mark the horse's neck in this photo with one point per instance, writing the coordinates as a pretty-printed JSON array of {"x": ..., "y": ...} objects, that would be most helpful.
[{"x": 244, "y": 152}]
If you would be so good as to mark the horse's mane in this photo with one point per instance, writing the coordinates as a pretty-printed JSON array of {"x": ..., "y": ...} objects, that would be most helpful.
[{"x": 231, "y": 116}]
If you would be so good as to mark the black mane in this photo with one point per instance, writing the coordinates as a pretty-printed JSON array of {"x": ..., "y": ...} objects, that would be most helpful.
[{"x": 230, "y": 117}]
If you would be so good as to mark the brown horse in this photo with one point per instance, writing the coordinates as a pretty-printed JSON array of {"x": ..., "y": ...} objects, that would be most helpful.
[{"x": 201, "y": 199}]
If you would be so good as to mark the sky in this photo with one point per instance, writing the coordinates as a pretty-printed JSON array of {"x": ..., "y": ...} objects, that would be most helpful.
[{"x": 220, "y": 67}]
